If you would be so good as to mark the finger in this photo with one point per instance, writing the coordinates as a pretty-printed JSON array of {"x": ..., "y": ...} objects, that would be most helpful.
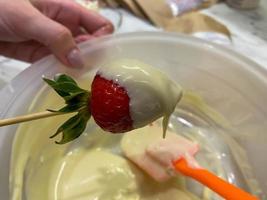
[
  {"x": 29, "y": 51},
  {"x": 40, "y": 53},
  {"x": 55, "y": 36},
  {"x": 82, "y": 38},
  {"x": 94, "y": 23},
  {"x": 102, "y": 31}
]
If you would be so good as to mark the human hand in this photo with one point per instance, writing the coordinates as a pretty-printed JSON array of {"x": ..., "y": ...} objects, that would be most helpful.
[{"x": 30, "y": 30}]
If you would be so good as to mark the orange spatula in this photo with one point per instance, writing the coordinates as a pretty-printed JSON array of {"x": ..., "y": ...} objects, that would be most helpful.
[
  {"x": 161, "y": 158},
  {"x": 218, "y": 185}
]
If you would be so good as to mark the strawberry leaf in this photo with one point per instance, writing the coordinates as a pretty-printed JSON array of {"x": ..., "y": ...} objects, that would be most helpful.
[
  {"x": 72, "y": 108},
  {"x": 76, "y": 100},
  {"x": 64, "y": 78},
  {"x": 66, "y": 87},
  {"x": 69, "y": 124},
  {"x": 72, "y": 128},
  {"x": 73, "y": 133},
  {"x": 77, "y": 97},
  {"x": 52, "y": 83}
]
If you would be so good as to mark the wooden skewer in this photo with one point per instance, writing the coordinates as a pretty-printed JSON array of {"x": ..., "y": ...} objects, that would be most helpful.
[{"x": 29, "y": 117}]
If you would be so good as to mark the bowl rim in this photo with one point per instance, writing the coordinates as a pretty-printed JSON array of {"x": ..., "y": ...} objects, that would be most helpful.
[
  {"x": 256, "y": 68},
  {"x": 12, "y": 90}
]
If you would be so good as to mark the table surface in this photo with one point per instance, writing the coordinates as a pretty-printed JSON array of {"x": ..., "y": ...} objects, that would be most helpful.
[{"x": 248, "y": 30}]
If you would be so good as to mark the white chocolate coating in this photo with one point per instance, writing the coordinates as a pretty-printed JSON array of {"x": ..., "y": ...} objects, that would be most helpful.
[{"x": 152, "y": 94}]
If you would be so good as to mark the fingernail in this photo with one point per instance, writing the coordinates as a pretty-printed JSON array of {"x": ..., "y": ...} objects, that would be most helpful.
[
  {"x": 75, "y": 58},
  {"x": 105, "y": 30}
]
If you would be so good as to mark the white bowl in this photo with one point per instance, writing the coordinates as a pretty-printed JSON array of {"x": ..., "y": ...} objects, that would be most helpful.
[
  {"x": 9, "y": 68},
  {"x": 230, "y": 83}
]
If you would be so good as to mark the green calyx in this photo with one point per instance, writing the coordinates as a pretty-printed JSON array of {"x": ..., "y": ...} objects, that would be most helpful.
[{"x": 76, "y": 100}]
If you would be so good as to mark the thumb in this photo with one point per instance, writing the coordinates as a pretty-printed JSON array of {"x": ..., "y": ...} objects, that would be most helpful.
[{"x": 56, "y": 37}]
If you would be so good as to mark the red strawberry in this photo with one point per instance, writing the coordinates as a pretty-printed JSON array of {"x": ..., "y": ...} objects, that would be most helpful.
[
  {"x": 107, "y": 102},
  {"x": 110, "y": 106},
  {"x": 152, "y": 96}
]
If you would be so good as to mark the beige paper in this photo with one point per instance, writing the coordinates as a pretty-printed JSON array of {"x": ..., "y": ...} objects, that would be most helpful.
[
  {"x": 208, "y": 3},
  {"x": 112, "y": 3},
  {"x": 132, "y": 6},
  {"x": 196, "y": 22},
  {"x": 157, "y": 11}
]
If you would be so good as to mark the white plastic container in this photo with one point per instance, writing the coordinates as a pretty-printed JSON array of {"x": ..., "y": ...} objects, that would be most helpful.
[{"x": 228, "y": 82}]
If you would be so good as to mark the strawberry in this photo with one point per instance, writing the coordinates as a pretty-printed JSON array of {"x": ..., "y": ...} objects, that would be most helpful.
[
  {"x": 107, "y": 102},
  {"x": 125, "y": 95},
  {"x": 110, "y": 106}
]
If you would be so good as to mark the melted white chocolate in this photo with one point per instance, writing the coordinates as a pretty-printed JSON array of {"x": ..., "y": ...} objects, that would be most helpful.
[
  {"x": 152, "y": 94},
  {"x": 84, "y": 170},
  {"x": 88, "y": 168},
  {"x": 156, "y": 155}
]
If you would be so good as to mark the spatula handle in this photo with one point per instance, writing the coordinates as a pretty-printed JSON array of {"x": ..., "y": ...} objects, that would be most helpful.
[{"x": 218, "y": 185}]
